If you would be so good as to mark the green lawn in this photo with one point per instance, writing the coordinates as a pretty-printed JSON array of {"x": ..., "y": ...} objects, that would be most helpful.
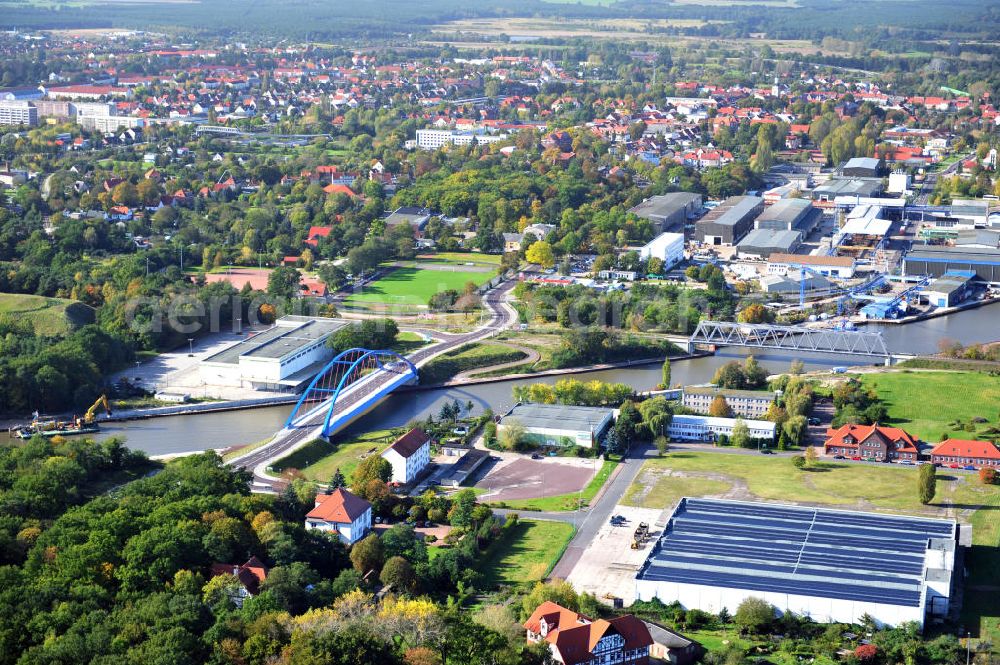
[
  {"x": 526, "y": 553},
  {"x": 925, "y": 403},
  {"x": 50, "y": 316},
  {"x": 319, "y": 460},
  {"x": 567, "y": 502},
  {"x": 415, "y": 285},
  {"x": 460, "y": 258},
  {"x": 466, "y": 357},
  {"x": 408, "y": 342}
]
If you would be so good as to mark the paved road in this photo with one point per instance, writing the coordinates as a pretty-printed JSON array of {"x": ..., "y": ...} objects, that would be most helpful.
[
  {"x": 927, "y": 186},
  {"x": 503, "y": 316}
]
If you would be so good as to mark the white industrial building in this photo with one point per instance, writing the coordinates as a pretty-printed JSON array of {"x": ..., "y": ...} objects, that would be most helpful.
[
  {"x": 840, "y": 267},
  {"x": 558, "y": 425},
  {"x": 18, "y": 113},
  {"x": 282, "y": 358},
  {"x": 684, "y": 427},
  {"x": 828, "y": 565},
  {"x": 669, "y": 247},
  {"x": 432, "y": 139}
]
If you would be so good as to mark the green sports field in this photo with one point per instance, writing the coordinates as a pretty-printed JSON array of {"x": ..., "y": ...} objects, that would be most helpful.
[{"x": 413, "y": 285}]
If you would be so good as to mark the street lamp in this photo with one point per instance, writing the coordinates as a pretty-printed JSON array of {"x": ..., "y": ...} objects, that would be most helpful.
[{"x": 190, "y": 347}]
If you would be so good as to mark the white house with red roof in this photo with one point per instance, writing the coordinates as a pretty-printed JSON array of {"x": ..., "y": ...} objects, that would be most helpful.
[
  {"x": 409, "y": 455},
  {"x": 966, "y": 453},
  {"x": 342, "y": 513},
  {"x": 872, "y": 442},
  {"x": 575, "y": 639},
  {"x": 250, "y": 576}
]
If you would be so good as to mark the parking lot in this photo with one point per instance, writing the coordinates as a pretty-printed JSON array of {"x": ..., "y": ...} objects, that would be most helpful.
[
  {"x": 608, "y": 566},
  {"x": 518, "y": 477}
]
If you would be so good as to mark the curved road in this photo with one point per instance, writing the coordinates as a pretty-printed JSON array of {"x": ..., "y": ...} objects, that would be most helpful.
[{"x": 503, "y": 316}]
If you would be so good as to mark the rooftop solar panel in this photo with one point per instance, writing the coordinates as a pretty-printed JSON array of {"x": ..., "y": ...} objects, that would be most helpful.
[{"x": 796, "y": 550}]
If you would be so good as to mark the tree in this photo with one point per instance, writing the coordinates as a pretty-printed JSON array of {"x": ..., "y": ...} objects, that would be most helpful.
[
  {"x": 754, "y": 615},
  {"x": 799, "y": 462},
  {"x": 373, "y": 467},
  {"x": 730, "y": 376},
  {"x": 796, "y": 367},
  {"x": 283, "y": 282},
  {"x": 541, "y": 253},
  {"x": 810, "y": 456},
  {"x": 926, "y": 483},
  {"x": 367, "y": 554},
  {"x": 795, "y": 429},
  {"x": 719, "y": 408},
  {"x": 369, "y": 334},
  {"x": 754, "y": 375},
  {"x": 987, "y": 476},
  {"x": 755, "y": 313},
  {"x": 337, "y": 481},
  {"x": 662, "y": 444},
  {"x": 511, "y": 434},
  {"x": 665, "y": 374},
  {"x": 398, "y": 573},
  {"x": 741, "y": 434}
]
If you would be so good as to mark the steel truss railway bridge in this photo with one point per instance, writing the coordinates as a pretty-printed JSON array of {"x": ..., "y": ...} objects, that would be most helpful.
[{"x": 791, "y": 338}]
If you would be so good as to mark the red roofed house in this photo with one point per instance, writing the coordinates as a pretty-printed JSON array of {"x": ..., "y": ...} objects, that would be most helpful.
[
  {"x": 959, "y": 451},
  {"x": 342, "y": 513},
  {"x": 873, "y": 442},
  {"x": 409, "y": 455},
  {"x": 317, "y": 232},
  {"x": 574, "y": 639},
  {"x": 250, "y": 575}
]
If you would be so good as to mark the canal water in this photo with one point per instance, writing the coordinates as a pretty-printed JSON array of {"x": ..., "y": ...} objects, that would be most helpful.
[{"x": 178, "y": 434}]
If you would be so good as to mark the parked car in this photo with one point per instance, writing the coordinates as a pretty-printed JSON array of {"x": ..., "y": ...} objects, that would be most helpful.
[
  {"x": 535, "y": 456},
  {"x": 461, "y": 430},
  {"x": 814, "y": 421},
  {"x": 839, "y": 457},
  {"x": 969, "y": 467},
  {"x": 766, "y": 451},
  {"x": 954, "y": 466},
  {"x": 856, "y": 458},
  {"x": 906, "y": 462}
]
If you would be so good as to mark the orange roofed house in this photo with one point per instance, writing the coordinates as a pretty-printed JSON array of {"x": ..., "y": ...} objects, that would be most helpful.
[
  {"x": 874, "y": 442},
  {"x": 342, "y": 513},
  {"x": 965, "y": 453},
  {"x": 576, "y": 640},
  {"x": 249, "y": 575}
]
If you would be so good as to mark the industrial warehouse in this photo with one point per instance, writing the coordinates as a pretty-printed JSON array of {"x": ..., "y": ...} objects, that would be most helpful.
[{"x": 829, "y": 565}]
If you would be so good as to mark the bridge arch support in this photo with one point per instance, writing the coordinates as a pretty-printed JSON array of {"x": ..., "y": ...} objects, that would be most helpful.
[{"x": 345, "y": 370}]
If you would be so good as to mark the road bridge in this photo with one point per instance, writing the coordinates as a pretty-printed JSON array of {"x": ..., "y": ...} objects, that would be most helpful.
[{"x": 353, "y": 383}]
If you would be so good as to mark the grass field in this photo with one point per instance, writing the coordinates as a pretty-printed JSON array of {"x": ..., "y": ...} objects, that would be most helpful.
[
  {"x": 567, "y": 502},
  {"x": 414, "y": 285},
  {"x": 917, "y": 401},
  {"x": 855, "y": 487},
  {"x": 526, "y": 553},
  {"x": 469, "y": 356},
  {"x": 50, "y": 316},
  {"x": 319, "y": 460}
]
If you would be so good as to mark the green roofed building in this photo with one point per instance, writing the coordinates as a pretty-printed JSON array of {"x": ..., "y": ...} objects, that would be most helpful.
[{"x": 558, "y": 425}]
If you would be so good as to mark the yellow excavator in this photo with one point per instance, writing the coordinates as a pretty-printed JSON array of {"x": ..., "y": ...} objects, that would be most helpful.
[{"x": 85, "y": 424}]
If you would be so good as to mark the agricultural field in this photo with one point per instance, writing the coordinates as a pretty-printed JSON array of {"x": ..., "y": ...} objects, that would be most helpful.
[
  {"x": 907, "y": 395},
  {"x": 50, "y": 316},
  {"x": 526, "y": 553},
  {"x": 413, "y": 283}
]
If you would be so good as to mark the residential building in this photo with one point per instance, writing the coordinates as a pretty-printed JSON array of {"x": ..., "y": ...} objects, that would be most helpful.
[
  {"x": 872, "y": 442},
  {"x": 250, "y": 576},
  {"x": 342, "y": 513},
  {"x": 409, "y": 455},
  {"x": 746, "y": 403},
  {"x": 685, "y": 427},
  {"x": 414, "y": 216},
  {"x": 966, "y": 453},
  {"x": 18, "y": 113},
  {"x": 283, "y": 358},
  {"x": 432, "y": 139},
  {"x": 512, "y": 242},
  {"x": 558, "y": 425},
  {"x": 575, "y": 639},
  {"x": 669, "y": 212},
  {"x": 668, "y": 247},
  {"x": 109, "y": 124},
  {"x": 833, "y": 566},
  {"x": 840, "y": 267},
  {"x": 727, "y": 223}
]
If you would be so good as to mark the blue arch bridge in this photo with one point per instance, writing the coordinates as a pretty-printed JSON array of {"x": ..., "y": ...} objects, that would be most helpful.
[{"x": 349, "y": 386}]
